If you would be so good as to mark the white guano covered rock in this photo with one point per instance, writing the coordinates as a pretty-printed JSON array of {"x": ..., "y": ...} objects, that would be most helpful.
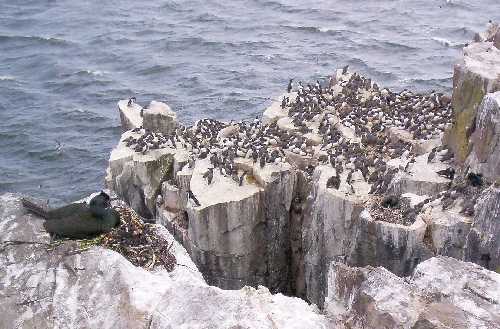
[
  {"x": 137, "y": 178},
  {"x": 274, "y": 112},
  {"x": 130, "y": 116},
  {"x": 448, "y": 230},
  {"x": 159, "y": 117},
  {"x": 44, "y": 286},
  {"x": 420, "y": 177}
]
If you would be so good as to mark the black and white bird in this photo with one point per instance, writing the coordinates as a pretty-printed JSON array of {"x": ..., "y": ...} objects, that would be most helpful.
[
  {"x": 289, "y": 87},
  {"x": 192, "y": 197}
]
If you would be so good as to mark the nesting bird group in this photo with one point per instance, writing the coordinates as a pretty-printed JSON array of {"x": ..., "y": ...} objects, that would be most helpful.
[
  {"x": 344, "y": 123},
  {"x": 144, "y": 140}
]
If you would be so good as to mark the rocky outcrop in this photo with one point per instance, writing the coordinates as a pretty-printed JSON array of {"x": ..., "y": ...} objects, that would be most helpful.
[
  {"x": 492, "y": 34},
  {"x": 130, "y": 115},
  {"x": 485, "y": 155},
  {"x": 330, "y": 221},
  {"x": 137, "y": 177},
  {"x": 442, "y": 293},
  {"x": 266, "y": 215},
  {"x": 477, "y": 74},
  {"x": 159, "y": 117},
  {"x": 398, "y": 248},
  {"x": 275, "y": 111},
  {"x": 62, "y": 285},
  {"x": 239, "y": 235},
  {"x": 483, "y": 241}
]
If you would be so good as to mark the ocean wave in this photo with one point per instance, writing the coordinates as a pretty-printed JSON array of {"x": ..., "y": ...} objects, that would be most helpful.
[
  {"x": 422, "y": 84},
  {"x": 457, "y": 4},
  {"x": 448, "y": 43},
  {"x": 97, "y": 73},
  {"x": 288, "y": 8},
  {"x": 46, "y": 40},
  {"x": 155, "y": 69},
  {"x": 7, "y": 78},
  {"x": 313, "y": 29},
  {"x": 82, "y": 115},
  {"x": 207, "y": 17}
]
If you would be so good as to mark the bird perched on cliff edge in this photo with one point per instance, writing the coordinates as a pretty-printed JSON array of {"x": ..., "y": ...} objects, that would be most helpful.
[
  {"x": 191, "y": 196},
  {"x": 78, "y": 220},
  {"x": 289, "y": 87}
]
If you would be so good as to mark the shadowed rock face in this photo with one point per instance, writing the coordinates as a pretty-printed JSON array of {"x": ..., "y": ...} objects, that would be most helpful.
[
  {"x": 485, "y": 155},
  {"x": 441, "y": 293},
  {"x": 62, "y": 286},
  {"x": 483, "y": 241}
]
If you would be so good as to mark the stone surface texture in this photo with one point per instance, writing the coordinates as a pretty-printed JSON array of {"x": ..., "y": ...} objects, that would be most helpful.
[
  {"x": 159, "y": 117},
  {"x": 476, "y": 74},
  {"x": 483, "y": 241},
  {"x": 44, "y": 286},
  {"x": 137, "y": 178},
  {"x": 442, "y": 293},
  {"x": 485, "y": 155}
]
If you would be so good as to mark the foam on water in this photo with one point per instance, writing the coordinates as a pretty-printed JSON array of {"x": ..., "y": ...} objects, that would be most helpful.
[{"x": 64, "y": 65}]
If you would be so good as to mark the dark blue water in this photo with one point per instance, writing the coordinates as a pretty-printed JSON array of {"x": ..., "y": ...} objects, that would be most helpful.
[{"x": 64, "y": 65}]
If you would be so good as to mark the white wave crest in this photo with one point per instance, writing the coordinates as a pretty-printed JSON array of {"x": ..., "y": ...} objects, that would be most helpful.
[
  {"x": 448, "y": 43},
  {"x": 7, "y": 78}
]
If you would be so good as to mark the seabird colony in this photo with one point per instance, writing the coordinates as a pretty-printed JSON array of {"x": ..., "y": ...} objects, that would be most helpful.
[{"x": 344, "y": 124}]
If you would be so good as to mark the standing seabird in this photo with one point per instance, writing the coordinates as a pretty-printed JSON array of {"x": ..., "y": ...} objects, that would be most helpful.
[
  {"x": 289, "y": 87},
  {"x": 192, "y": 197}
]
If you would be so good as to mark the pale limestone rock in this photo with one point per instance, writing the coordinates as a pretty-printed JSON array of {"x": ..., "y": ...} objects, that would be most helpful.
[
  {"x": 171, "y": 196},
  {"x": 396, "y": 247},
  {"x": 483, "y": 241},
  {"x": 448, "y": 230},
  {"x": 238, "y": 234},
  {"x": 419, "y": 147},
  {"x": 227, "y": 131},
  {"x": 274, "y": 112},
  {"x": 285, "y": 123},
  {"x": 98, "y": 288},
  {"x": 477, "y": 74},
  {"x": 330, "y": 220},
  {"x": 159, "y": 117},
  {"x": 299, "y": 161},
  {"x": 137, "y": 178},
  {"x": 175, "y": 222},
  {"x": 420, "y": 178},
  {"x": 441, "y": 293},
  {"x": 491, "y": 34},
  {"x": 130, "y": 116},
  {"x": 485, "y": 155}
]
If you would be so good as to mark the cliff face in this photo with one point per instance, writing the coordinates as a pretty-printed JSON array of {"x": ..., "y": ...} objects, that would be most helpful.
[
  {"x": 49, "y": 284},
  {"x": 63, "y": 285},
  {"x": 485, "y": 140},
  {"x": 279, "y": 223},
  {"x": 476, "y": 75}
]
